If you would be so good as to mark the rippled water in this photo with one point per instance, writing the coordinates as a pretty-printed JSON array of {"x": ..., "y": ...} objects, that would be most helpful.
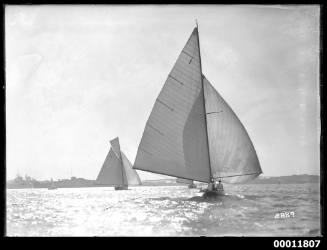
[{"x": 247, "y": 210}]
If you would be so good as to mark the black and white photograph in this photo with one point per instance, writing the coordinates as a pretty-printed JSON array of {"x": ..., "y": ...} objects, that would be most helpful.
[{"x": 162, "y": 120}]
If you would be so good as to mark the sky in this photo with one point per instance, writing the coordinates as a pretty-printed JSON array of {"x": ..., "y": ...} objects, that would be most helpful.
[{"x": 79, "y": 76}]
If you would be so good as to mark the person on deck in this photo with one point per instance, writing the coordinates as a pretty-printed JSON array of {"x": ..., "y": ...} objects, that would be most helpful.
[{"x": 220, "y": 186}]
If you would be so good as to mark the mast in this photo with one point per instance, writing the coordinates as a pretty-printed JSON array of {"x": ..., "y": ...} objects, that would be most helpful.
[
  {"x": 204, "y": 101},
  {"x": 122, "y": 170},
  {"x": 122, "y": 167}
]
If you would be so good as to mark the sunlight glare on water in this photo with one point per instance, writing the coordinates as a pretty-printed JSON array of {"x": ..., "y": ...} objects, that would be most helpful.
[{"x": 247, "y": 210}]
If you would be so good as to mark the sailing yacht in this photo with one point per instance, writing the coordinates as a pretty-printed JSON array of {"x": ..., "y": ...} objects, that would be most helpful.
[
  {"x": 185, "y": 181},
  {"x": 192, "y": 133},
  {"x": 117, "y": 169},
  {"x": 52, "y": 185}
]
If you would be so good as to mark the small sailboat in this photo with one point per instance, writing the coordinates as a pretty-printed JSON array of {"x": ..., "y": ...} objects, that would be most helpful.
[
  {"x": 52, "y": 185},
  {"x": 189, "y": 182},
  {"x": 117, "y": 169},
  {"x": 192, "y": 133}
]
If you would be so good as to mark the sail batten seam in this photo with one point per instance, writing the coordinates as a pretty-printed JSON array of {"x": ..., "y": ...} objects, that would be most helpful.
[
  {"x": 176, "y": 79},
  {"x": 157, "y": 130},
  {"x": 188, "y": 54},
  {"x": 215, "y": 112},
  {"x": 167, "y": 106}
]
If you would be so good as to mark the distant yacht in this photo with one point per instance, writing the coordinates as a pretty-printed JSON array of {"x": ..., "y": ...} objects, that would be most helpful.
[
  {"x": 117, "y": 169},
  {"x": 52, "y": 185},
  {"x": 190, "y": 183},
  {"x": 192, "y": 132}
]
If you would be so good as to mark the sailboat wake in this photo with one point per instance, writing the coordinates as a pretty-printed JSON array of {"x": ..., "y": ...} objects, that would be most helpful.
[{"x": 219, "y": 198}]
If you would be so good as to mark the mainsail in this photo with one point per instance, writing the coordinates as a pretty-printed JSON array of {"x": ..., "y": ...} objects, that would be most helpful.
[
  {"x": 174, "y": 140},
  {"x": 117, "y": 169},
  {"x": 192, "y": 133},
  {"x": 111, "y": 171}
]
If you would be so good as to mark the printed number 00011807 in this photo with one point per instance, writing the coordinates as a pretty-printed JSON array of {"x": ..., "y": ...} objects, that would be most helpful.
[{"x": 296, "y": 243}]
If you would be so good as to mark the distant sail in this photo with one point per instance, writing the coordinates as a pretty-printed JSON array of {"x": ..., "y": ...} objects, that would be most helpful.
[
  {"x": 111, "y": 171},
  {"x": 131, "y": 174},
  {"x": 174, "y": 140},
  {"x": 185, "y": 181},
  {"x": 231, "y": 150},
  {"x": 117, "y": 169}
]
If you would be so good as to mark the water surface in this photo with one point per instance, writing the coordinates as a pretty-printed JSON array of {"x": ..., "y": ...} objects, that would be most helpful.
[{"x": 246, "y": 210}]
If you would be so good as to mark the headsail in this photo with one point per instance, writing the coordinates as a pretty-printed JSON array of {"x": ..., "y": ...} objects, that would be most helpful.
[
  {"x": 231, "y": 150},
  {"x": 174, "y": 140},
  {"x": 131, "y": 174}
]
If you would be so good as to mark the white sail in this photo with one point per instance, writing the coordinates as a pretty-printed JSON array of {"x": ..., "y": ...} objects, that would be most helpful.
[
  {"x": 131, "y": 174},
  {"x": 174, "y": 140},
  {"x": 185, "y": 181},
  {"x": 111, "y": 171},
  {"x": 231, "y": 150},
  {"x": 192, "y": 133},
  {"x": 117, "y": 169}
]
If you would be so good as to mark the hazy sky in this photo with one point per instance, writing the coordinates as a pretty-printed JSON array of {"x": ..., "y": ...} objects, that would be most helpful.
[{"x": 78, "y": 76}]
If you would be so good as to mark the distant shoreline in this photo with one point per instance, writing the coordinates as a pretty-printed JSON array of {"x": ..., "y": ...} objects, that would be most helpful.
[{"x": 20, "y": 183}]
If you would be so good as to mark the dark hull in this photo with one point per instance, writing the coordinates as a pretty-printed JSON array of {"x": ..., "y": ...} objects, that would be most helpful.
[
  {"x": 213, "y": 194},
  {"x": 121, "y": 188}
]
